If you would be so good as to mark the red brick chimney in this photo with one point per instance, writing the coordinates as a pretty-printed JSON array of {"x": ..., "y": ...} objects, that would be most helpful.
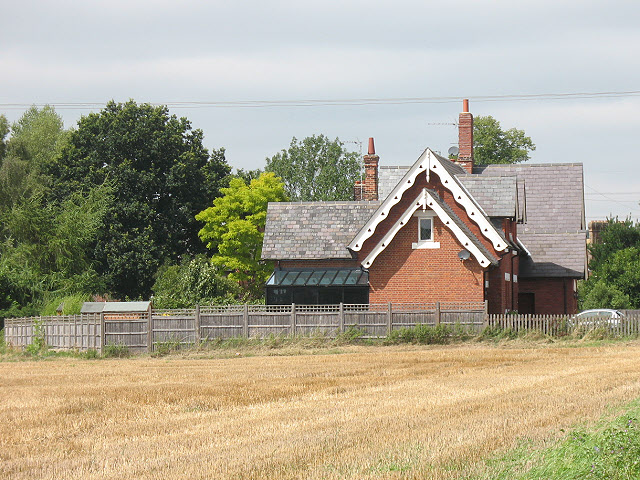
[
  {"x": 465, "y": 138},
  {"x": 367, "y": 189}
]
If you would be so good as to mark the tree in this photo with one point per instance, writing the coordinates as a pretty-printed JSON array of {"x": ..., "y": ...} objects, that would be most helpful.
[
  {"x": 36, "y": 138},
  {"x": 316, "y": 168},
  {"x": 492, "y": 145},
  {"x": 614, "y": 281},
  {"x": 4, "y": 131},
  {"x": 45, "y": 249},
  {"x": 160, "y": 175},
  {"x": 616, "y": 235},
  {"x": 193, "y": 281},
  {"x": 234, "y": 228}
]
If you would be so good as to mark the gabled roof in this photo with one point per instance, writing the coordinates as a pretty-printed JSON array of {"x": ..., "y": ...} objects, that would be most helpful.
[
  {"x": 313, "y": 230},
  {"x": 429, "y": 199},
  {"x": 448, "y": 172},
  {"x": 497, "y": 194}
]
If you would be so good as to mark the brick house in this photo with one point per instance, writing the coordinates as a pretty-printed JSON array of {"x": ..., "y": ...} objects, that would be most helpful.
[{"x": 438, "y": 230}]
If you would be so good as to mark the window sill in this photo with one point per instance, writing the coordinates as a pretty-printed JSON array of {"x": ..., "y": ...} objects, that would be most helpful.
[{"x": 421, "y": 245}]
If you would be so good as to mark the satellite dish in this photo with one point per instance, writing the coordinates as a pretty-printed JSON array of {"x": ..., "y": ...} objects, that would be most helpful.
[
  {"x": 463, "y": 255},
  {"x": 453, "y": 150}
]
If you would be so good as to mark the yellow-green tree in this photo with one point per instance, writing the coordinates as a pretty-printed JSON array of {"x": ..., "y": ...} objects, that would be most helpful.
[{"x": 234, "y": 229}]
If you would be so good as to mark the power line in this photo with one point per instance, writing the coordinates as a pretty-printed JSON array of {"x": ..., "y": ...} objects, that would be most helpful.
[
  {"x": 343, "y": 102},
  {"x": 624, "y": 204}
]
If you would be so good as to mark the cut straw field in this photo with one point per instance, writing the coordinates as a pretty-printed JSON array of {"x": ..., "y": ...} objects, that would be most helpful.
[{"x": 373, "y": 412}]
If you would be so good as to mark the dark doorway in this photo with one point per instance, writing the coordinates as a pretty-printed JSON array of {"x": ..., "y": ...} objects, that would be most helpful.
[{"x": 527, "y": 303}]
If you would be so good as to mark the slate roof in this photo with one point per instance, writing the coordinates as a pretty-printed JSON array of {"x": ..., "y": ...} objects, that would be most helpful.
[
  {"x": 496, "y": 195},
  {"x": 553, "y": 194},
  {"x": 313, "y": 230},
  {"x": 554, "y": 232},
  {"x": 554, "y": 255}
]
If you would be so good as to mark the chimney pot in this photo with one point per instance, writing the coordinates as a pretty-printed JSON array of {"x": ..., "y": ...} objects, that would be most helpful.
[
  {"x": 465, "y": 138},
  {"x": 372, "y": 148}
]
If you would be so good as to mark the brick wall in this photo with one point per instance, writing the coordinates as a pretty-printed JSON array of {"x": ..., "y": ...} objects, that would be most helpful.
[
  {"x": 406, "y": 275},
  {"x": 552, "y": 295}
]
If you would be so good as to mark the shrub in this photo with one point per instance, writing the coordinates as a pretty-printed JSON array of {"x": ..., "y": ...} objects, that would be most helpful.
[
  {"x": 421, "y": 334},
  {"x": 113, "y": 350}
]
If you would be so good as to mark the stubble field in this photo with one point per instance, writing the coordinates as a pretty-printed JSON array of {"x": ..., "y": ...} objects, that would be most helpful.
[{"x": 373, "y": 412}]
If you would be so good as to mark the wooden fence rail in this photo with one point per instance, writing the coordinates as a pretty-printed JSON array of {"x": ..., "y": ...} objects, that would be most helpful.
[{"x": 144, "y": 332}]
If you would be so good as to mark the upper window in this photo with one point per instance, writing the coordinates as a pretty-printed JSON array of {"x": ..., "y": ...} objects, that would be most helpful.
[{"x": 425, "y": 230}]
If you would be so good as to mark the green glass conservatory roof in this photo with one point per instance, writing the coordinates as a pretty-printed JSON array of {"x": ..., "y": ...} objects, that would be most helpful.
[{"x": 323, "y": 278}]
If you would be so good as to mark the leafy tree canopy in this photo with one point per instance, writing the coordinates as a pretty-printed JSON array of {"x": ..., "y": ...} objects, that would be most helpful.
[
  {"x": 492, "y": 144},
  {"x": 161, "y": 176},
  {"x": 4, "y": 131},
  {"x": 316, "y": 168},
  {"x": 193, "y": 281},
  {"x": 615, "y": 268},
  {"x": 36, "y": 138},
  {"x": 234, "y": 228}
]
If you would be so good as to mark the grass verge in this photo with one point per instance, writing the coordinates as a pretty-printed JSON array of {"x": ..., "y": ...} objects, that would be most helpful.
[{"x": 608, "y": 450}]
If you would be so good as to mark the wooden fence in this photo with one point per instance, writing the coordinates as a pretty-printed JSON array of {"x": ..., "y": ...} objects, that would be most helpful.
[{"x": 143, "y": 332}]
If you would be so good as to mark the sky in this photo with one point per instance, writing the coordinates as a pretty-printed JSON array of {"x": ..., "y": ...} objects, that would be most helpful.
[{"x": 253, "y": 74}]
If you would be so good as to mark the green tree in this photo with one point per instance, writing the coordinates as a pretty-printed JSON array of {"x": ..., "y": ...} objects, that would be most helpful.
[
  {"x": 36, "y": 138},
  {"x": 234, "y": 228},
  {"x": 193, "y": 281},
  {"x": 316, "y": 168},
  {"x": 614, "y": 281},
  {"x": 492, "y": 144},
  {"x": 4, "y": 131},
  {"x": 160, "y": 175},
  {"x": 616, "y": 235},
  {"x": 248, "y": 175},
  {"x": 45, "y": 249}
]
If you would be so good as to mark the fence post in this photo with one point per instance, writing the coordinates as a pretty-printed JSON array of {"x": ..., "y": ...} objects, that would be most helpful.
[
  {"x": 197, "y": 325},
  {"x": 149, "y": 331},
  {"x": 389, "y": 319},
  {"x": 438, "y": 314},
  {"x": 485, "y": 316},
  {"x": 341, "y": 318},
  {"x": 102, "y": 333},
  {"x": 245, "y": 321},
  {"x": 292, "y": 323}
]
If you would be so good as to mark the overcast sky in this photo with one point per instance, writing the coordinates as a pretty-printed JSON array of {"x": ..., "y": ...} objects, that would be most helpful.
[{"x": 194, "y": 51}]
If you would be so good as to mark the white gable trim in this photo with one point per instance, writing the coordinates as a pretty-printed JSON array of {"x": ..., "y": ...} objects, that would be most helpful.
[
  {"x": 423, "y": 164},
  {"x": 425, "y": 200},
  {"x": 474, "y": 212},
  {"x": 427, "y": 162}
]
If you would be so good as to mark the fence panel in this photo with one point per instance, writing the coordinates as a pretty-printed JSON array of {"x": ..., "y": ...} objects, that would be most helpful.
[
  {"x": 130, "y": 330},
  {"x": 175, "y": 327}
]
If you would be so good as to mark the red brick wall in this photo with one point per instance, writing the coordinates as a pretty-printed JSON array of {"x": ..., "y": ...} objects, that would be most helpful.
[
  {"x": 553, "y": 296},
  {"x": 403, "y": 274},
  {"x": 502, "y": 294}
]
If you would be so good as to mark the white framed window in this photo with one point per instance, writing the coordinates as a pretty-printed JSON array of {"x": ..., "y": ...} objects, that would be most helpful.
[{"x": 425, "y": 230}]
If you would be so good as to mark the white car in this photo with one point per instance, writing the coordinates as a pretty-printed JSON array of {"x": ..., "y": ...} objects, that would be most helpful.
[{"x": 598, "y": 317}]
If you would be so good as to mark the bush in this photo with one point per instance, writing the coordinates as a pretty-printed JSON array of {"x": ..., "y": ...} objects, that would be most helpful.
[
  {"x": 71, "y": 305},
  {"x": 421, "y": 334},
  {"x": 113, "y": 350}
]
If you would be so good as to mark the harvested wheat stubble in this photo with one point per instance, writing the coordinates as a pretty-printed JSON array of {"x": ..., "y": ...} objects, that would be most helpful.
[{"x": 377, "y": 412}]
